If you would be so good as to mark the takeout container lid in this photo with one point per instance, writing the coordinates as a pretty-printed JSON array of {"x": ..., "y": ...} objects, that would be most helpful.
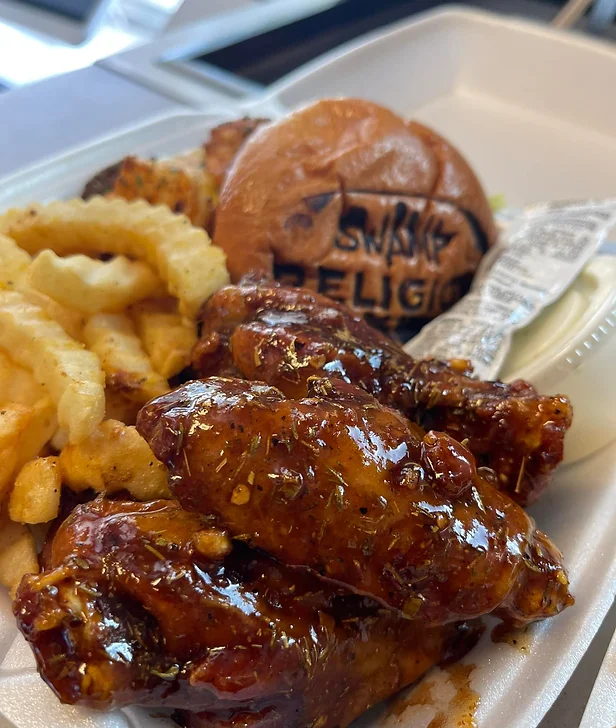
[{"x": 571, "y": 349}]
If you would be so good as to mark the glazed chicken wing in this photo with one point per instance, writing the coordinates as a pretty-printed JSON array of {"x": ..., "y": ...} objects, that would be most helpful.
[
  {"x": 148, "y": 604},
  {"x": 350, "y": 488},
  {"x": 283, "y": 336}
]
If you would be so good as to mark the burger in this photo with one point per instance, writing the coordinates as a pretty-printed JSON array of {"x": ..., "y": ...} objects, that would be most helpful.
[{"x": 350, "y": 200}]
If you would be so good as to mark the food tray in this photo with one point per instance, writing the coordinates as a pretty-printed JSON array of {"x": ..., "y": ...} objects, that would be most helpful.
[{"x": 516, "y": 687}]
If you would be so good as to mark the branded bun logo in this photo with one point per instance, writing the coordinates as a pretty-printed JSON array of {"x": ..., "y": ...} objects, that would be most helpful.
[{"x": 396, "y": 257}]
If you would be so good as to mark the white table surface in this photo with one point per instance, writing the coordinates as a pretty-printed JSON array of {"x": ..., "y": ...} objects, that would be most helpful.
[{"x": 49, "y": 117}]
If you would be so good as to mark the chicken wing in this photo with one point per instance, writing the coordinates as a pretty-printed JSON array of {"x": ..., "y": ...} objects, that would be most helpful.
[
  {"x": 341, "y": 484},
  {"x": 283, "y": 336},
  {"x": 148, "y": 604}
]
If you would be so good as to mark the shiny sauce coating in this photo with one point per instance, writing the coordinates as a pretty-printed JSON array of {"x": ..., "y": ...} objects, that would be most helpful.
[
  {"x": 283, "y": 336},
  {"x": 149, "y": 604},
  {"x": 340, "y": 484}
]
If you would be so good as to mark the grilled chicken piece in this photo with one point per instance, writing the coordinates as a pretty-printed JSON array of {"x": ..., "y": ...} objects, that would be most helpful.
[
  {"x": 225, "y": 142},
  {"x": 187, "y": 183},
  {"x": 182, "y": 184},
  {"x": 148, "y": 604},
  {"x": 350, "y": 488},
  {"x": 103, "y": 182},
  {"x": 284, "y": 336}
]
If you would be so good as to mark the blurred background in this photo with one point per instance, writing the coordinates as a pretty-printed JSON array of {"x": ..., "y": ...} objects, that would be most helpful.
[{"x": 241, "y": 45}]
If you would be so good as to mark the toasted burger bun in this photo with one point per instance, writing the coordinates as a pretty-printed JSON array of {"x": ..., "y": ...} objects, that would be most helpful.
[{"x": 348, "y": 199}]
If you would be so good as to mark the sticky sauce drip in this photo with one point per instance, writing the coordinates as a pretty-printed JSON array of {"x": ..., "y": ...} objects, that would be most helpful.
[
  {"x": 458, "y": 711},
  {"x": 421, "y": 695},
  {"x": 521, "y": 639},
  {"x": 463, "y": 706}
]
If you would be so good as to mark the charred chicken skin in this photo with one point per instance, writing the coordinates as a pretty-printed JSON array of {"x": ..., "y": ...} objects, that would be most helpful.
[
  {"x": 148, "y": 604},
  {"x": 284, "y": 336},
  {"x": 353, "y": 490}
]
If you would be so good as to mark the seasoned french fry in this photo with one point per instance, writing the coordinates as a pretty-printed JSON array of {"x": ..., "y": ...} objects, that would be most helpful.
[
  {"x": 182, "y": 255},
  {"x": 91, "y": 286},
  {"x": 167, "y": 337},
  {"x": 59, "y": 440},
  {"x": 24, "y": 431},
  {"x": 14, "y": 268},
  {"x": 17, "y": 384},
  {"x": 14, "y": 421},
  {"x": 35, "y": 497},
  {"x": 127, "y": 368},
  {"x": 70, "y": 320},
  {"x": 17, "y": 553},
  {"x": 42, "y": 426},
  {"x": 72, "y": 376},
  {"x": 14, "y": 263},
  {"x": 114, "y": 458}
]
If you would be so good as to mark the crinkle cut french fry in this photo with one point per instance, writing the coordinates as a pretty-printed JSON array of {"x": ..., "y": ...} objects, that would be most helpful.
[
  {"x": 17, "y": 385},
  {"x": 35, "y": 497},
  {"x": 17, "y": 553},
  {"x": 71, "y": 374},
  {"x": 14, "y": 421},
  {"x": 24, "y": 431},
  {"x": 14, "y": 263},
  {"x": 182, "y": 255},
  {"x": 112, "y": 459},
  {"x": 92, "y": 286},
  {"x": 167, "y": 336},
  {"x": 14, "y": 268},
  {"x": 40, "y": 430},
  {"x": 112, "y": 337},
  {"x": 70, "y": 320}
]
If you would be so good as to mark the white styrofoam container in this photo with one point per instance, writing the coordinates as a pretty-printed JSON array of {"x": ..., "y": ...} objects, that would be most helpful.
[
  {"x": 578, "y": 511},
  {"x": 601, "y": 708},
  {"x": 533, "y": 107},
  {"x": 64, "y": 176},
  {"x": 499, "y": 134},
  {"x": 571, "y": 348}
]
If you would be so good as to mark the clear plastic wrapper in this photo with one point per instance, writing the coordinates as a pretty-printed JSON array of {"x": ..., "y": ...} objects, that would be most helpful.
[{"x": 540, "y": 254}]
